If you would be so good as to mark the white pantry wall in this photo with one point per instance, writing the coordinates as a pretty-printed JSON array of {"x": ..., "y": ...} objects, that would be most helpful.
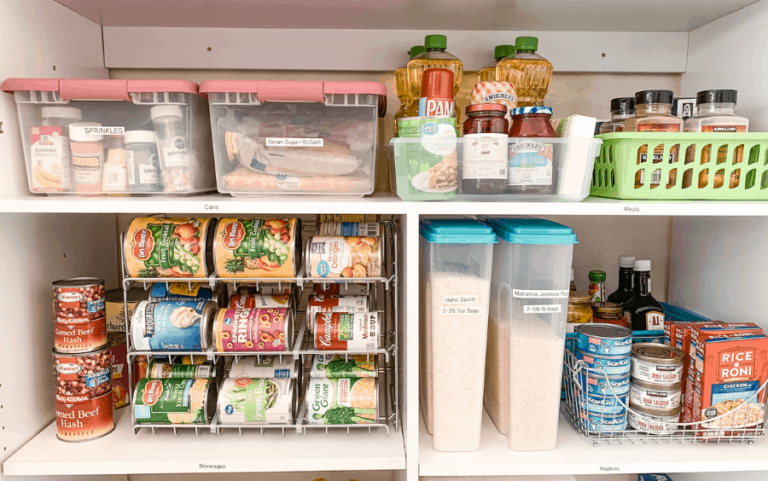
[{"x": 732, "y": 53}]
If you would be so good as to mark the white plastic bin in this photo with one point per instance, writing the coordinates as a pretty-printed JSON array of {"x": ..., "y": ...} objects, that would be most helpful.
[
  {"x": 455, "y": 278},
  {"x": 295, "y": 137},
  {"x": 74, "y": 135},
  {"x": 526, "y": 334}
]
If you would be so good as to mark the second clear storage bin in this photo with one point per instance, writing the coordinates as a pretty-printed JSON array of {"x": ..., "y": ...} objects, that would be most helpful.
[
  {"x": 76, "y": 136},
  {"x": 295, "y": 137},
  {"x": 455, "y": 280},
  {"x": 526, "y": 333}
]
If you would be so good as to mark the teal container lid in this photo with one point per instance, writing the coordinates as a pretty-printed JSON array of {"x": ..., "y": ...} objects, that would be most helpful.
[
  {"x": 532, "y": 231},
  {"x": 457, "y": 231}
]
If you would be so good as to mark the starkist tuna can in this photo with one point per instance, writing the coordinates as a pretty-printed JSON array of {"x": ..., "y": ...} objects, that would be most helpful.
[
  {"x": 597, "y": 385},
  {"x": 604, "y": 422},
  {"x": 604, "y": 339},
  {"x": 172, "y": 325},
  {"x": 612, "y": 366},
  {"x": 605, "y": 403}
]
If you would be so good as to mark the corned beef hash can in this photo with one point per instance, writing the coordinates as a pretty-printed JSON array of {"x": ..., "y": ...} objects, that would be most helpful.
[
  {"x": 79, "y": 313},
  {"x": 341, "y": 331}
]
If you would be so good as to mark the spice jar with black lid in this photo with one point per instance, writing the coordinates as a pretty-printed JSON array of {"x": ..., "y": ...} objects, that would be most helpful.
[{"x": 622, "y": 109}]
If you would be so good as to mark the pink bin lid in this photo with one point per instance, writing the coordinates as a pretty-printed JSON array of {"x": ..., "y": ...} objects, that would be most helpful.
[
  {"x": 291, "y": 90},
  {"x": 98, "y": 89}
]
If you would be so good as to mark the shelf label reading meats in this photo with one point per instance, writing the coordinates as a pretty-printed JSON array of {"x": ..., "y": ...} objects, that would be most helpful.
[
  {"x": 461, "y": 299},
  {"x": 462, "y": 310},
  {"x": 542, "y": 309},
  {"x": 537, "y": 294}
]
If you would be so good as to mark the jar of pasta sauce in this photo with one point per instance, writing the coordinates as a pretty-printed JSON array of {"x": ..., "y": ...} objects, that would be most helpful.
[
  {"x": 532, "y": 163},
  {"x": 608, "y": 313},
  {"x": 484, "y": 160}
]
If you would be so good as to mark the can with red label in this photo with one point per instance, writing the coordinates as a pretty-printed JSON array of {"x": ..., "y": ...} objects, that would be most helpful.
[
  {"x": 317, "y": 304},
  {"x": 79, "y": 313},
  {"x": 340, "y": 331},
  {"x": 254, "y": 330},
  {"x": 84, "y": 405},
  {"x": 118, "y": 350},
  {"x": 437, "y": 93},
  {"x": 346, "y": 289},
  {"x": 255, "y": 301}
]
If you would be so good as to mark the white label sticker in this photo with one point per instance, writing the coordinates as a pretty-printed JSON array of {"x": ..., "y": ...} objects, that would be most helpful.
[
  {"x": 526, "y": 294},
  {"x": 147, "y": 174},
  {"x": 438, "y": 139},
  {"x": 96, "y": 130},
  {"x": 288, "y": 183},
  {"x": 461, "y": 310},
  {"x": 542, "y": 309},
  {"x": 293, "y": 142},
  {"x": 654, "y": 321},
  {"x": 485, "y": 157},
  {"x": 461, "y": 299}
]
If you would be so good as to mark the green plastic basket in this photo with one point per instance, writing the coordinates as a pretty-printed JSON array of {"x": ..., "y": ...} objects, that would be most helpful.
[{"x": 721, "y": 177}]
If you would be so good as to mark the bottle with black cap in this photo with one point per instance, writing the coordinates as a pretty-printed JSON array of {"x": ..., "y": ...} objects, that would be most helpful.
[
  {"x": 621, "y": 109},
  {"x": 643, "y": 311},
  {"x": 624, "y": 293},
  {"x": 653, "y": 113},
  {"x": 715, "y": 113}
]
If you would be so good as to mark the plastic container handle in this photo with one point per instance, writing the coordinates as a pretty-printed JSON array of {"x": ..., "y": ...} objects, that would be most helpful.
[
  {"x": 290, "y": 91},
  {"x": 81, "y": 89}
]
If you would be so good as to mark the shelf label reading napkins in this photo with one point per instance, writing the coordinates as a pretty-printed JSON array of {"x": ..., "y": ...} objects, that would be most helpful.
[
  {"x": 539, "y": 294},
  {"x": 293, "y": 142}
]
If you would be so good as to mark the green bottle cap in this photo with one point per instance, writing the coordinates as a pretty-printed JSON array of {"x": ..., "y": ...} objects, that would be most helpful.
[
  {"x": 502, "y": 51},
  {"x": 416, "y": 50},
  {"x": 527, "y": 44},
  {"x": 597, "y": 276},
  {"x": 436, "y": 41}
]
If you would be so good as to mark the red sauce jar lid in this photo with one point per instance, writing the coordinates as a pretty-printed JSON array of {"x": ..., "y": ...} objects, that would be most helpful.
[
  {"x": 487, "y": 108},
  {"x": 437, "y": 83}
]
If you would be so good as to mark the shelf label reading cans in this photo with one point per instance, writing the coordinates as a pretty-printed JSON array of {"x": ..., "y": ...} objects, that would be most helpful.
[
  {"x": 462, "y": 310},
  {"x": 540, "y": 294},
  {"x": 461, "y": 299},
  {"x": 542, "y": 309}
]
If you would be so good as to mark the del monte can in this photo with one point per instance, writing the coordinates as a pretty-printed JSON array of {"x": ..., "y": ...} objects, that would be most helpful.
[{"x": 257, "y": 248}]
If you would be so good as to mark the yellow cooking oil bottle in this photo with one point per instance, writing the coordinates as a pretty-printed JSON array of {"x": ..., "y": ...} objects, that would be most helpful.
[
  {"x": 488, "y": 73},
  {"x": 435, "y": 56},
  {"x": 528, "y": 71},
  {"x": 401, "y": 86}
]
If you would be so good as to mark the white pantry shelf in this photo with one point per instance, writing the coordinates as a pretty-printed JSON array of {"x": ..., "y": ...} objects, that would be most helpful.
[
  {"x": 122, "y": 452},
  {"x": 380, "y": 203},
  {"x": 575, "y": 455}
]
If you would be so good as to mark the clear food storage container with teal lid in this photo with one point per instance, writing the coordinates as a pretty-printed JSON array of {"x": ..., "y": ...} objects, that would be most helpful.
[
  {"x": 526, "y": 332},
  {"x": 455, "y": 280}
]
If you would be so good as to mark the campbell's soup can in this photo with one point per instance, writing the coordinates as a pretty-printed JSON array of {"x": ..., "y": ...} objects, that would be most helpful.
[
  {"x": 340, "y": 331},
  {"x": 84, "y": 403},
  {"x": 255, "y": 248},
  {"x": 118, "y": 350},
  {"x": 334, "y": 257},
  {"x": 318, "y": 304},
  {"x": 80, "y": 317},
  {"x": 168, "y": 247},
  {"x": 253, "y": 330}
]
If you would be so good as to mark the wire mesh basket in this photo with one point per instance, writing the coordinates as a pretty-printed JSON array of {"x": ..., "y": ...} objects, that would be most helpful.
[{"x": 613, "y": 426}]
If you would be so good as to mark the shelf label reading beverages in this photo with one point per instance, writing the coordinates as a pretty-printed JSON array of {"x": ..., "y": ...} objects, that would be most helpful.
[
  {"x": 537, "y": 294},
  {"x": 461, "y": 311},
  {"x": 542, "y": 309},
  {"x": 214, "y": 467},
  {"x": 461, "y": 299}
]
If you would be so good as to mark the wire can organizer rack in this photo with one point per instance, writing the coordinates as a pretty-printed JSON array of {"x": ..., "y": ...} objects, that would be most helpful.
[
  {"x": 384, "y": 299},
  {"x": 724, "y": 428}
]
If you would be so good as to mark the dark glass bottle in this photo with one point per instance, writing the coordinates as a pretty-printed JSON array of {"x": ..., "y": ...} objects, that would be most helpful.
[
  {"x": 484, "y": 163},
  {"x": 624, "y": 292},
  {"x": 643, "y": 312}
]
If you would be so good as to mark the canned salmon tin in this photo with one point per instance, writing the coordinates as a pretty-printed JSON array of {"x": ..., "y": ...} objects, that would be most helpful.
[
  {"x": 318, "y": 304},
  {"x": 345, "y": 289},
  {"x": 168, "y": 247},
  {"x": 612, "y": 366},
  {"x": 340, "y": 331},
  {"x": 183, "y": 291},
  {"x": 337, "y": 365},
  {"x": 84, "y": 403},
  {"x": 654, "y": 421},
  {"x": 604, "y": 339},
  {"x": 118, "y": 352},
  {"x": 655, "y": 396},
  {"x": 174, "y": 401},
  {"x": 166, "y": 370},
  {"x": 267, "y": 366},
  {"x": 257, "y": 330},
  {"x": 604, "y": 422},
  {"x": 605, "y": 403},
  {"x": 172, "y": 325},
  {"x": 348, "y": 257},
  {"x": 257, "y": 401},
  {"x": 348, "y": 229},
  {"x": 80, "y": 317},
  {"x": 255, "y": 248},
  {"x": 343, "y": 401},
  {"x": 657, "y": 363},
  {"x": 595, "y": 384}
]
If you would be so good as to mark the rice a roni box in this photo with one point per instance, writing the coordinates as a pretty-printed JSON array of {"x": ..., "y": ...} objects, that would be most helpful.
[{"x": 730, "y": 369}]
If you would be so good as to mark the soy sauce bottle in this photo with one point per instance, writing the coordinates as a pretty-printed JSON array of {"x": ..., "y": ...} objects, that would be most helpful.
[
  {"x": 625, "y": 291},
  {"x": 643, "y": 312}
]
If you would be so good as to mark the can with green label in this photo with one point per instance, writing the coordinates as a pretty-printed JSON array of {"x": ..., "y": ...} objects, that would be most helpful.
[
  {"x": 174, "y": 401},
  {"x": 166, "y": 370},
  {"x": 257, "y": 401}
]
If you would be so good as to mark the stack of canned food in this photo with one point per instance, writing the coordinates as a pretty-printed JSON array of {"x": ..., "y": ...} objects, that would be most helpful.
[
  {"x": 656, "y": 390},
  {"x": 82, "y": 360}
]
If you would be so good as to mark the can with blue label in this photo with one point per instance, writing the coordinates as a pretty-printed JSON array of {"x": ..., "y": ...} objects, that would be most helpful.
[
  {"x": 596, "y": 384},
  {"x": 172, "y": 325},
  {"x": 604, "y": 422},
  {"x": 604, "y": 339},
  {"x": 183, "y": 291},
  {"x": 605, "y": 403},
  {"x": 612, "y": 366}
]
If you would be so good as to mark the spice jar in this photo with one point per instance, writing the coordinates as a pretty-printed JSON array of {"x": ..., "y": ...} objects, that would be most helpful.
[
  {"x": 142, "y": 161},
  {"x": 87, "y": 156},
  {"x": 532, "y": 166},
  {"x": 579, "y": 310},
  {"x": 653, "y": 113},
  {"x": 50, "y": 154},
  {"x": 172, "y": 146},
  {"x": 608, "y": 313},
  {"x": 484, "y": 160},
  {"x": 621, "y": 109}
]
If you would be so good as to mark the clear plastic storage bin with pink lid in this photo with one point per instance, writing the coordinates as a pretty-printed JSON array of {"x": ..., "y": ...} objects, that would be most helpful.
[
  {"x": 113, "y": 137},
  {"x": 295, "y": 137}
]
